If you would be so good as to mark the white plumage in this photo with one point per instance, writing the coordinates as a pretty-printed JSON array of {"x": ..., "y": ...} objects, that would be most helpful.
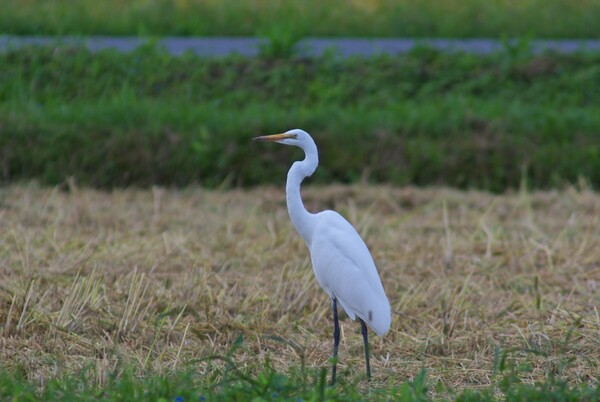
[
  {"x": 341, "y": 261},
  {"x": 346, "y": 271}
]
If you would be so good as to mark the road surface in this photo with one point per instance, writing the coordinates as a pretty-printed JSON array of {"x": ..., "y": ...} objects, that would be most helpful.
[{"x": 345, "y": 47}]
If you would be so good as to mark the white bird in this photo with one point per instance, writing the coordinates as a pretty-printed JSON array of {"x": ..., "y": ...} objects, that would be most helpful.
[{"x": 341, "y": 261}]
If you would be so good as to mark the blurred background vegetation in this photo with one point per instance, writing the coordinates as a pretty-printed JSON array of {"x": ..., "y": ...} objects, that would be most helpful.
[
  {"x": 426, "y": 118},
  {"x": 365, "y": 18}
]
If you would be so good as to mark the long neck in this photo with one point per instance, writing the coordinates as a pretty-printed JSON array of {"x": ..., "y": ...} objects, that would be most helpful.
[{"x": 302, "y": 219}]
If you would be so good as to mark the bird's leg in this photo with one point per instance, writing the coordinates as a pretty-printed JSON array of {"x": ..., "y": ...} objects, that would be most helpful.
[
  {"x": 366, "y": 339},
  {"x": 336, "y": 338}
]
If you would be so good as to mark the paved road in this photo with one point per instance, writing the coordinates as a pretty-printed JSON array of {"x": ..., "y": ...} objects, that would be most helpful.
[{"x": 219, "y": 47}]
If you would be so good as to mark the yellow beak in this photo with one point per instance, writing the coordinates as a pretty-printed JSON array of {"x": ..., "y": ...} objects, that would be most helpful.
[{"x": 274, "y": 137}]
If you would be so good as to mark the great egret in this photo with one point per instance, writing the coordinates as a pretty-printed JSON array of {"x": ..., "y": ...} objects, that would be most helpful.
[{"x": 341, "y": 261}]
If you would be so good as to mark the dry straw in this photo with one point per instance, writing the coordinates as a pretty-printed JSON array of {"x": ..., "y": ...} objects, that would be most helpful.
[{"x": 162, "y": 279}]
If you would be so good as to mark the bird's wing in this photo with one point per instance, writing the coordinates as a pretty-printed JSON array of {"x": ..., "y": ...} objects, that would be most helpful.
[{"x": 345, "y": 269}]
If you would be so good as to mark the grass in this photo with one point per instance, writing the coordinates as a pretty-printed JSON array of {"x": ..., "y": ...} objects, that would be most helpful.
[
  {"x": 445, "y": 18},
  {"x": 426, "y": 118},
  {"x": 269, "y": 385},
  {"x": 122, "y": 292}
]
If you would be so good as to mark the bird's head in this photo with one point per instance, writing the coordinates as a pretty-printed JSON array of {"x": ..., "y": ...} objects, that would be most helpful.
[{"x": 296, "y": 137}]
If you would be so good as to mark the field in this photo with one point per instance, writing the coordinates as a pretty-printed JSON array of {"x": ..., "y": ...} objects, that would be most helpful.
[
  {"x": 426, "y": 118},
  {"x": 486, "y": 290},
  {"x": 145, "y": 247},
  {"x": 439, "y": 18}
]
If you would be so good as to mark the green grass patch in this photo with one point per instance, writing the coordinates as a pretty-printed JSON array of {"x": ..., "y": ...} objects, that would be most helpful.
[
  {"x": 144, "y": 118},
  {"x": 267, "y": 384},
  {"x": 233, "y": 383},
  {"x": 387, "y": 18}
]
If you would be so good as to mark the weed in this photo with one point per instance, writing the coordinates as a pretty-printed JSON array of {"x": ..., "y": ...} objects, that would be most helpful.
[
  {"x": 281, "y": 42},
  {"x": 147, "y": 118},
  {"x": 374, "y": 18}
]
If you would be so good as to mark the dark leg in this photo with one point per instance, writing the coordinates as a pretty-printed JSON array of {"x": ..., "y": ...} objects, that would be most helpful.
[
  {"x": 336, "y": 338},
  {"x": 366, "y": 339}
]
